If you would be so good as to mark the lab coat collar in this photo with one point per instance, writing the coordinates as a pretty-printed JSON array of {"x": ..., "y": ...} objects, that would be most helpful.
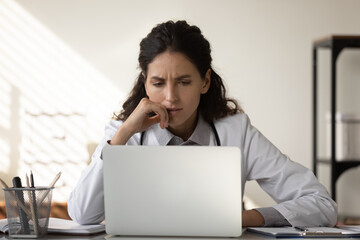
[{"x": 200, "y": 136}]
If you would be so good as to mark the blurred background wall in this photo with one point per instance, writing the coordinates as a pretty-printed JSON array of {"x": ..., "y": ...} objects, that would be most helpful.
[{"x": 66, "y": 65}]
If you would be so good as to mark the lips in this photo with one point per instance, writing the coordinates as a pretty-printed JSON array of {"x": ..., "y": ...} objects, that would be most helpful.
[{"x": 173, "y": 111}]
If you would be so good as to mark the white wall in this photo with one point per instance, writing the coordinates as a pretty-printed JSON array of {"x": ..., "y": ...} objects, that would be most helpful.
[{"x": 261, "y": 48}]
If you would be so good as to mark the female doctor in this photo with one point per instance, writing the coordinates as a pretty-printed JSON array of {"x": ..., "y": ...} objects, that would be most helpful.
[{"x": 178, "y": 99}]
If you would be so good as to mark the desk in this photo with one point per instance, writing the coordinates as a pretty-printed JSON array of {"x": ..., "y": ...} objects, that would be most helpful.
[
  {"x": 246, "y": 235},
  {"x": 64, "y": 237}
]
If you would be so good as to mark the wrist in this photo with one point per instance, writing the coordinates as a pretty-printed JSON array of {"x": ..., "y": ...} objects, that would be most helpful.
[
  {"x": 252, "y": 218},
  {"x": 122, "y": 135}
]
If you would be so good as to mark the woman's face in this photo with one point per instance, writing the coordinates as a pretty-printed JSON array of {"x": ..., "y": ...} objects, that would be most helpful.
[{"x": 175, "y": 82}]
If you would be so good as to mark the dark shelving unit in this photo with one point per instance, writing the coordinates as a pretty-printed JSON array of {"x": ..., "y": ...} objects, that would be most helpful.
[{"x": 336, "y": 43}]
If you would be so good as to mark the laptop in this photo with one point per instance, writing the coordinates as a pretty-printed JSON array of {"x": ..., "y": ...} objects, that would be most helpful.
[{"x": 173, "y": 191}]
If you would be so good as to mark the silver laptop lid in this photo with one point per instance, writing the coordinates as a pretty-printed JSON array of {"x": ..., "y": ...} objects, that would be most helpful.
[{"x": 172, "y": 190}]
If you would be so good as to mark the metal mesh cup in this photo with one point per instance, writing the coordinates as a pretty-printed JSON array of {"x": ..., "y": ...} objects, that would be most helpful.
[{"x": 28, "y": 211}]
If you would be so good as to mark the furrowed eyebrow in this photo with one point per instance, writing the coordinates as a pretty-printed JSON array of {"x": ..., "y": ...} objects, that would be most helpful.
[
  {"x": 182, "y": 77},
  {"x": 157, "y": 78},
  {"x": 176, "y": 79}
]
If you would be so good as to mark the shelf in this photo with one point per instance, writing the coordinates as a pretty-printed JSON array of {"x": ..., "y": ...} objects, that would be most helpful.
[
  {"x": 345, "y": 40},
  {"x": 328, "y": 161},
  {"x": 336, "y": 43},
  {"x": 339, "y": 167}
]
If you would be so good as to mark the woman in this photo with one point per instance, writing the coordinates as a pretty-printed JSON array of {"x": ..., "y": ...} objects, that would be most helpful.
[{"x": 178, "y": 99}]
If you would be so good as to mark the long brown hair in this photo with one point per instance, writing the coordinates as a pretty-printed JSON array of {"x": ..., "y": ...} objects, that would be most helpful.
[{"x": 181, "y": 37}]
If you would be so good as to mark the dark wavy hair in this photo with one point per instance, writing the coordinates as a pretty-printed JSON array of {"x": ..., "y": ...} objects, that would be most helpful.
[{"x": 181, "y": 37}]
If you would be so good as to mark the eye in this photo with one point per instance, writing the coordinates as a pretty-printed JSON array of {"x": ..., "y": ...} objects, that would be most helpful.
[
  {"x": 185, "y": 82},
  {"x": 158, "y": 84}
]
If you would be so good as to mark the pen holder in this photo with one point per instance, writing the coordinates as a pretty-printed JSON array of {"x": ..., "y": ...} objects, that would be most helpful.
[{"x": 28, "y": 211}]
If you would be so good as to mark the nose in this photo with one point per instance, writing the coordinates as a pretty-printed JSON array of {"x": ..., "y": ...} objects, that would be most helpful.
[{"x": 171, "y": 93}]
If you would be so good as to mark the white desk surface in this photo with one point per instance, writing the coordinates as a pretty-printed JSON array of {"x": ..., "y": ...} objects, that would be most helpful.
[
  {"x": 246, "y": 235},
  {"x": 103, "y": 236}
]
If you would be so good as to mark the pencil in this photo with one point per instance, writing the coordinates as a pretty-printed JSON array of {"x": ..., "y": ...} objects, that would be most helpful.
[
  {"x": 3, "y": 183},
  {"x": 52, "y": 184},
  {"x": 32, "y": 206}
]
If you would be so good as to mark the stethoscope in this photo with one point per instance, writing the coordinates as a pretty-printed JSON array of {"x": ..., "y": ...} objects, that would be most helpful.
[{"x": 212, "y": 125}]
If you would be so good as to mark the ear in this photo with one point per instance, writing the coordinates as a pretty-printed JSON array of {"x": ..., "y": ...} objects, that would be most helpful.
[{"x": 207, "y": 82}]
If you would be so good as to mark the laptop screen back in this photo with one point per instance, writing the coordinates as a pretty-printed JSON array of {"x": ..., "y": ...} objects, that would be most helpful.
[{"x": 172, "y": 190}]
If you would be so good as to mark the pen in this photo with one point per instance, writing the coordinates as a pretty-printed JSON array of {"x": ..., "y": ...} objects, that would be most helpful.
[
  {"x": 32, "y": 179},
  {"x": 17, "y": 200},
  {"x": 34, "y": 196},
  {"x": 303, "y": 229},
  {"x": 19, "y": 194},
  {"x": 316, "y": 232}
]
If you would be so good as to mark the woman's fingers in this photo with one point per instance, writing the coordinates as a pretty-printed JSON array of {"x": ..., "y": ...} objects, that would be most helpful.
[
  {"x": 146, "y": 114},
  {"x": 161, "y": 116},
  {"x": 142, "y": 115}
]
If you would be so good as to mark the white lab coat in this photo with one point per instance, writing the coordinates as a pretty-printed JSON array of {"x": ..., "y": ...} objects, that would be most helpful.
[{"x": 300, "y": 198}]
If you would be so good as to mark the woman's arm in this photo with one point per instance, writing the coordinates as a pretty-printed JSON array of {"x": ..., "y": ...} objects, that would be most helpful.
[
  {"x": 300, "y": 198},
  {"x": 86, "y": 201}
]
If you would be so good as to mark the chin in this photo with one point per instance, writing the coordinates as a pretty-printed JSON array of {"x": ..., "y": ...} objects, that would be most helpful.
[{"x": 174, "y": 124}]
